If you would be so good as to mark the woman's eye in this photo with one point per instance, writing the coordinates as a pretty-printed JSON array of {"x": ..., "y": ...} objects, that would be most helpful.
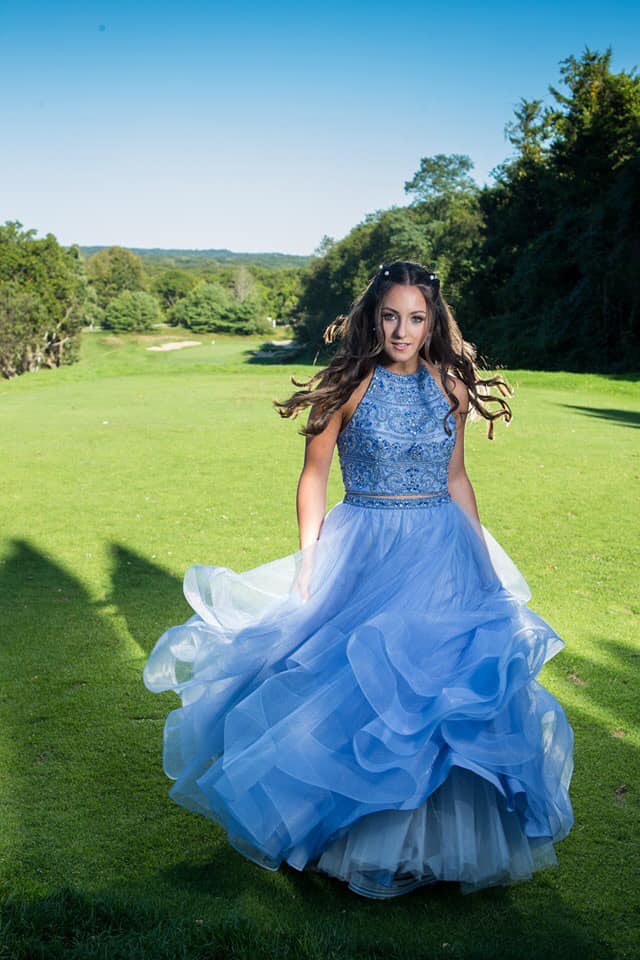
[{"x": 389, "y": 316}]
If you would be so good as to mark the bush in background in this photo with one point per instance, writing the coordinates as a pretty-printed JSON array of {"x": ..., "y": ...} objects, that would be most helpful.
[{"x": 132, "y": 311}]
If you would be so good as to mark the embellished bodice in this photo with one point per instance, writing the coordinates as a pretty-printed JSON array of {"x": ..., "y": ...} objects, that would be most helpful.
[{"x": 395, "y": 446}]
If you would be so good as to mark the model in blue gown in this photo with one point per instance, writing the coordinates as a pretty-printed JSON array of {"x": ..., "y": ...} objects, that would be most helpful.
[{"x": 385, "y": 727}]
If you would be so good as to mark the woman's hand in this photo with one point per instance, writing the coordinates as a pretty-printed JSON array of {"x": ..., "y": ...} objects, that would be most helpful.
[{"x": 302, "y": 583}]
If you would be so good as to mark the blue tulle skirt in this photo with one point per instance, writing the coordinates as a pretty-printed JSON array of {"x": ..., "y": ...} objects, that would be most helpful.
[{"x": 384, "y": 726}]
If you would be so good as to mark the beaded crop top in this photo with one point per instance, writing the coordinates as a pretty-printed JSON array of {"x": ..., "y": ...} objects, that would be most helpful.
[{"x": 394, "y": 451}]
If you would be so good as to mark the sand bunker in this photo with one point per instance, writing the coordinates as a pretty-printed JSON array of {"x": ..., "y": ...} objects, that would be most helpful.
[{"x": 177, "y": 345}]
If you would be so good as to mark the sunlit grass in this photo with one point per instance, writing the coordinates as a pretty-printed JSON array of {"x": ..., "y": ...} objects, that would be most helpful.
[{"x": 120, "y": 472}]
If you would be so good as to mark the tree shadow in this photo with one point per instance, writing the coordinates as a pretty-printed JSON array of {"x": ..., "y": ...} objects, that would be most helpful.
[
  {"x": 146, "y": 596},
  {"x": 271, "y": 353},
  {"x": 621, "y": 418}
]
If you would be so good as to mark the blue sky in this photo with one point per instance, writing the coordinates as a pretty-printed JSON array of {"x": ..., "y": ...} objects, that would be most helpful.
[{"x": 263, "y": 127}]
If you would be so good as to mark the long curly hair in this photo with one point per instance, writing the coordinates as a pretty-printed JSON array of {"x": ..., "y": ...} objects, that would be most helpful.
[{"x": 360, "y": 340}]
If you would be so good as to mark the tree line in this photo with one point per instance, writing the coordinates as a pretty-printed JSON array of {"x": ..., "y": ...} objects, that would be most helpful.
[
  {"x": 540, "y": 267},
  {"x": 48, "y": 293}
]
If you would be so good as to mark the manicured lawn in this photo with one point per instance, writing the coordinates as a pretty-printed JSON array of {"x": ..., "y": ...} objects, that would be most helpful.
[{"x": 120, "y": 472}]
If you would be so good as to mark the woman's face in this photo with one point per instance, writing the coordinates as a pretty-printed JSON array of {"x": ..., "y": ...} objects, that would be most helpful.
[{"x": 405, "y": 323}]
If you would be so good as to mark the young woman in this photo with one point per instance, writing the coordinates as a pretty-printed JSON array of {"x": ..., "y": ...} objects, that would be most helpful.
[{"x": 368, "y": 706}]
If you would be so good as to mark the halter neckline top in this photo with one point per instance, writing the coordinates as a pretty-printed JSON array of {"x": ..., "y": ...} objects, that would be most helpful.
[{"x": 394, "y": 450}]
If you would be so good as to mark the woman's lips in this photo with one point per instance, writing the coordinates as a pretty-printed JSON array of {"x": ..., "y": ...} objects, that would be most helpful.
[{"x": 400, "y": 346}]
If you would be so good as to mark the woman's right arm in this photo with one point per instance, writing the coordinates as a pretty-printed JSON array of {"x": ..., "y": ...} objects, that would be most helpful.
[{"x": 311, "y": 498}]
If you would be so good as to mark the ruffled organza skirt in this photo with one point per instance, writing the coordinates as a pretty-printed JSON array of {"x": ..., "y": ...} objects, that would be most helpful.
[{"x": 385, "y": 727}]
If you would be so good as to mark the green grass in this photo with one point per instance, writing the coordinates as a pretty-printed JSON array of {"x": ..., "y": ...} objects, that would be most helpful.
[{"x": 120, "y": 472}]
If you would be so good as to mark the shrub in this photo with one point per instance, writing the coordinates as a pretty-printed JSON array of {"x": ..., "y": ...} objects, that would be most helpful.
[{"x": 132, "y": 310}]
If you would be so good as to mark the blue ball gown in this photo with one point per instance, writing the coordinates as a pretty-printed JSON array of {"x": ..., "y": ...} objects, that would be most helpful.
[{"x": 386, "y": 726}]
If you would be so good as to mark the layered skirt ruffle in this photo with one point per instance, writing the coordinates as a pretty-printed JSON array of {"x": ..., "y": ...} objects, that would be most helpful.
[{"x": 386, "y": 728}]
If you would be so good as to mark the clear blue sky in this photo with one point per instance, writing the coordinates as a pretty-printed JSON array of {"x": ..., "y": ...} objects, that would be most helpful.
[{"x": 263, "y": 126}]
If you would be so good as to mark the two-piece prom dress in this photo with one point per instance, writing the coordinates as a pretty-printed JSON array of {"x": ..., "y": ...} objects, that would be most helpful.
[{"x": 386, "y": 728}]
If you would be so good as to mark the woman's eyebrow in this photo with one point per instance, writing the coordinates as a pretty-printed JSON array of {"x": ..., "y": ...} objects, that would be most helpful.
[{"x": 391, "y": 310}]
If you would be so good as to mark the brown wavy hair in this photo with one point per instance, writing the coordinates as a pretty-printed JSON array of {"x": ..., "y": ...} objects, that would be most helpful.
[{"x": 361, "y": 341}]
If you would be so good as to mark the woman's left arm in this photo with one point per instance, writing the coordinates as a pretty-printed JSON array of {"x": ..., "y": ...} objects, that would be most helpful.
[{"x": 458, "y": 482}]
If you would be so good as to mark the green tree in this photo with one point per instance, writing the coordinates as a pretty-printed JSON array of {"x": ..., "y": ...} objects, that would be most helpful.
[
  {"x": 113, "y": 270},
  {"x": 211, "y": 308},
  {"x": 43, "y": 295},
  {"x": 440, "y": 178},
  {"x": 446, "y": 201},
  {"x": 172, "y": 285},
  {"x": 132, "y": 310},
  {"x": 562, "y": 228},
  {"x": 22, "y": 319},
  {"x": 279, "y": 292},
  {"x": 92, "y": 312}
]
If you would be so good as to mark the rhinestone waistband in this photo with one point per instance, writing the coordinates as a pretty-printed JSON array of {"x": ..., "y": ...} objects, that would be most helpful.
[{"x": 403, "y": 502}]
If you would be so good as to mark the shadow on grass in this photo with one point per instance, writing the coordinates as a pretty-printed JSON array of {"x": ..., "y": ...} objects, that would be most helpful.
[
  {"x": 294, "y": 355},
  {"x": 105, "y": 864},
  {"x": 146, "y": 597},
  {"x": 70, "y": 925},
  {"x": 621, "y": 418}
]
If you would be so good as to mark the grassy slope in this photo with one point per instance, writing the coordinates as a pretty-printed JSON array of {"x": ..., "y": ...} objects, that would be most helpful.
[{"x": 120, "y": 472}]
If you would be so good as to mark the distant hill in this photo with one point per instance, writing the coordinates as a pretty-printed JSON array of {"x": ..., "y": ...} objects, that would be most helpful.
[{"x": 200, "y": 258}]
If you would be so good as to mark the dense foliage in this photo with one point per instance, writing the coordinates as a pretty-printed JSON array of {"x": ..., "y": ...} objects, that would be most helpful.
[
  {"x": 42, "y": 292},
  {"x": 541, "y": 268},
  {"x": 559, "y": 284},
  {"x": 132, "y": 310},
  {"x": 113, "y": 270},
  {"x": 210, "y": 308}
]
